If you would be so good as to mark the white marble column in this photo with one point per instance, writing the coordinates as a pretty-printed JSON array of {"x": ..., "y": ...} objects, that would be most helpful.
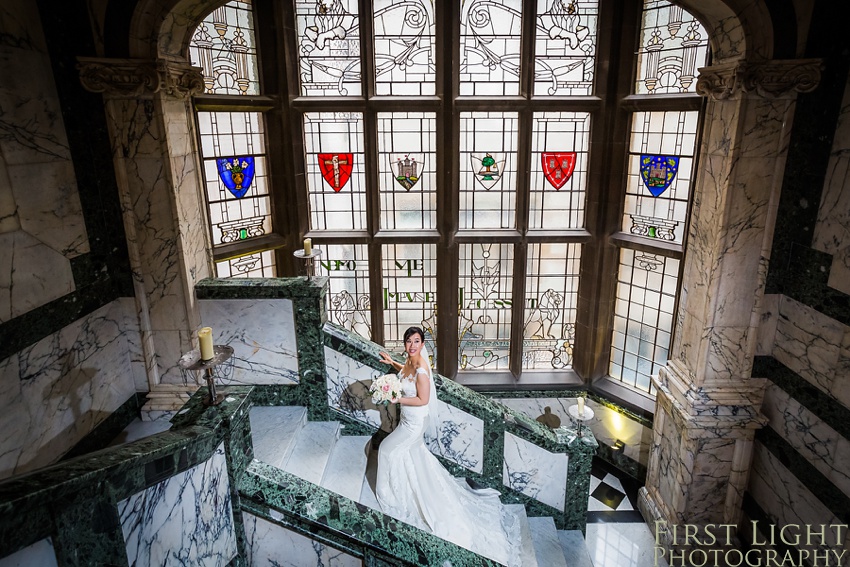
[
  {"x": 149, "y": 112},
  {"x": 708, "y": 404}
]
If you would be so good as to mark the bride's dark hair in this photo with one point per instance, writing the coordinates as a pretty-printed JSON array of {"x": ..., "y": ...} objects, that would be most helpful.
[{"x": 414, "y": 331}]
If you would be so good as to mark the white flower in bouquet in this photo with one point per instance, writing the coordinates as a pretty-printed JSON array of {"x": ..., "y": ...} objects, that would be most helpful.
[{"x": 385, "y": 389}]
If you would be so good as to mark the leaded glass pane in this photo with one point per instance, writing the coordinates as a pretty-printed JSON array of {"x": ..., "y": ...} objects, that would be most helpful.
[
  {"x": 660, "y": 174},
  {"x": 565, "y": 53},
  {"x": 673, "y": 45},
  {"x": 235, "y": 174},
  {"x": 404, "y": 47},
  {"x": 488, "y": 150},
  {"x": 484, "y": 306},
  {"x": 643, "y": 317},
  {"x": 328, "y": 47},
  {"x": 559, "y": 153},
  {"x": 490, "y": 47},
  {"x": 333, "y": 144},
  {"x": 347, "y": 301},
  {"x": 407, "y": 161},
  {"x": 409, "y": 293},
  {"x": 550, "y": 305},
  {"x": 225, "y": 47},
  {"x": 257, "y": 265}
]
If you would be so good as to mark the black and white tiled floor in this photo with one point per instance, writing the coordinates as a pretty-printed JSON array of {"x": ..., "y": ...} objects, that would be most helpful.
[{"x": 613, "y": 495}]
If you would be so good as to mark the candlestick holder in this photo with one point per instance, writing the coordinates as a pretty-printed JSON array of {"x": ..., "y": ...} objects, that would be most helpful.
[
  {"x": 220, "y": 367},
  {"x": 580, "y": 418},
  {"x": 309, "y": 265}
]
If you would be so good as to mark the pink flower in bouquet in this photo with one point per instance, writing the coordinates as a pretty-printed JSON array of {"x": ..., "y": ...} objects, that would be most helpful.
[{"x": 386, "y": 388}]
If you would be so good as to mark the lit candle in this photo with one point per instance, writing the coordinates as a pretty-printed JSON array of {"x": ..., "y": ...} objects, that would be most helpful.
[
  {"x": 206, "y": 343},
  {"x": 581, "y": 407},
  {"x": 308, "y": 246}
]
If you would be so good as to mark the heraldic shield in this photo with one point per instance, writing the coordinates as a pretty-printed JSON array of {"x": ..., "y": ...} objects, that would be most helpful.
[
  {"x": 236, "y": 173},
  {"x": 558, "y": 167},
  {"x": 407, "y": 170},
  {"x": 658, "y": 172},
  {"x": 336, "y": 169}
]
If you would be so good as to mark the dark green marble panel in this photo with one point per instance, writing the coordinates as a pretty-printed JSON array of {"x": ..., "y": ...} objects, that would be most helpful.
[
  {"x": 278, "y": 395},
  {"x": 88, "y": 529},
  {"x": 24, "y": 530},
  {"x": 261, "y": 288},
  {"x": 329, "y": 513},
  {"x": 109, "y": 428},
  {"x": 233, "y": 409}
]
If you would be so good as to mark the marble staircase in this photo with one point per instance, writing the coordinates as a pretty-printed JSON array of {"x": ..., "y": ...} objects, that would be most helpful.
[{"x": 319, "y": 453}]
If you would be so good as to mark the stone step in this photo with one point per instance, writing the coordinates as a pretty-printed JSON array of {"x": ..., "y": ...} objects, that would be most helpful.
[
  {"x": 139, "y": 429},
  {"x": 313, "y": 446},
  {"x": 574, "y": 548},
  {"x": 529, "y": 558},
  {"x": 547, "y": 546},
  {"x": 346, "y": 466},
  {"x": 367, "y": 496},
  {"x": 274, "y": 430}
]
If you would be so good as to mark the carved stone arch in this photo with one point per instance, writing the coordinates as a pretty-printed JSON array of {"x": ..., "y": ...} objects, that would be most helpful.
[
  {"x": 737, "y": 29},
  {"x": 163, "y": 28}
]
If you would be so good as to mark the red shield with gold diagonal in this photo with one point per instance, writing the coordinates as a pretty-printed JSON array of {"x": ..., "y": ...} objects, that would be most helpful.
[
  {"x": 558, "y": 167},
  {"x": 336, "y": 169}
]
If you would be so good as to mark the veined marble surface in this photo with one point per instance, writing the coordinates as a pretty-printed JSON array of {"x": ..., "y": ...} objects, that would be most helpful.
[
  {"x": 460, "y": 437},
  {"x": 184, "y": 520},
  {"x": 40, "y": 553},
  {"x": 534, "y": 471},
  {"x": 57, "y": 390},
  {"x": 274, "y": 546},
  {"x": 262, "y": 334}
]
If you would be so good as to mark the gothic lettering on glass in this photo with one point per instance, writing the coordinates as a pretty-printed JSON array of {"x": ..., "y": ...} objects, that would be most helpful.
[
  {"x": 558, "y": 167},
  {"x": 404, "y": 46},
  {"x": 329, "y": 47},
  {"x": 223, "y": 45},
  {"x": 490, "y": 47},
  {"x": 566, "y": 47},
  {"x": 409, "y": 284},
  {"x": 348, "y": 302}
]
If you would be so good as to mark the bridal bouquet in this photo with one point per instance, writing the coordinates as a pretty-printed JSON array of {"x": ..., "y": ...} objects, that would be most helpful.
[{"x": 385, "y": 389}]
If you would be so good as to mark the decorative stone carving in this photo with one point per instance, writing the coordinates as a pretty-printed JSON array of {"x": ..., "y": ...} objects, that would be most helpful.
[
  {"x": 138, "y": 77},
  {"x": 770, "y": 79}
]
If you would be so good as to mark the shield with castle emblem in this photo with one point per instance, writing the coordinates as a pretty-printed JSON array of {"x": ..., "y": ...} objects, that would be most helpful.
[
  {"x": 558, "y": 167},
  {"x": 658, "y": 172},
  {"x": 336, "y": 169},
  {"x": 407, "y": 170}
]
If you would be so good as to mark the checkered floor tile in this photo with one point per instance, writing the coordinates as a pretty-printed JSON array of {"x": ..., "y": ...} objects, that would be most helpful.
[{"x": 613, "y": 495}]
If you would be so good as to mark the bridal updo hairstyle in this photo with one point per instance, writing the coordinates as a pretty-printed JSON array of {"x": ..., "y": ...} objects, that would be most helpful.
[{"x": 414, "y": 331}]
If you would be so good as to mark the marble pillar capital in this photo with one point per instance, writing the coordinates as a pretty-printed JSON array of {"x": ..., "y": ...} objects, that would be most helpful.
[
  {"x": 133, "y": 78},
  {"x": 767, "y": 79}
]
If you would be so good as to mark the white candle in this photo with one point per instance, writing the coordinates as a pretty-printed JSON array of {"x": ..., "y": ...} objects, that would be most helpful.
[
  {"x": 206, "y": 343},
  {"x": 581, "y": 407},
  {"x": 308, "y": 246}
]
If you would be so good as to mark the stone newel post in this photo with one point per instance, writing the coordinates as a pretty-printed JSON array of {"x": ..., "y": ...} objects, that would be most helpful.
[{"x": 708, "y": 405}]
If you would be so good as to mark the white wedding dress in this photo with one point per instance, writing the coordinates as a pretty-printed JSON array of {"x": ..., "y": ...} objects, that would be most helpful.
[{"x": 413, "y": 487}]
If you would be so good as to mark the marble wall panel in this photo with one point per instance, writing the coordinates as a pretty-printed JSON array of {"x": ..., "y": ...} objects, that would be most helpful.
[
  {"x": 262, "y": 334},
  {"x": 809, "y": 435},
  {"x": 270, "y": 545},
  {"x": 459, "y": 437},
  {"x": 40, "y": 553},
  {"x": 184, "y": 520},
  {"x": 710, "y": 473},
  {"x": 348, "y": 389},
  {"x": 20, "y": 26},
  {"x": 810, "y": 343},
  {"x": 57, "y": 390},
  {"x": 534, "y": 471},
  {"x": 767, "y": 324},
  {"x": 124, "y": 311}
]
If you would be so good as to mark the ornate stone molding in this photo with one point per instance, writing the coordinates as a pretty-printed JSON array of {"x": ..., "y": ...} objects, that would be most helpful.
[
  {"x": 770, "y": 79},
  {"x": 139, "y": 77}
]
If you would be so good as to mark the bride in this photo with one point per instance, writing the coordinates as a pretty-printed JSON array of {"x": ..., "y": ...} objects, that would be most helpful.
[{"x": 413, "y": 486}]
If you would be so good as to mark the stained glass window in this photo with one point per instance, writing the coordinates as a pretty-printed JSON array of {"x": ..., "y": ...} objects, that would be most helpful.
[
  {"x": 328, "y": 47},
  {"x": 404, "y": 47},
  {"x": 673, "y": 45},
  {"x": 565, "y": 53},
  {"x": 235, "y": 173},
  {"x": 224, "y": 46},
  {"x": 660, "y": 170},
  {"x": 559, "y": 149},
  {"x": 407, "y": 161},
  {"x": 484, "y": 300},
  {"x": 488, "y": 148},
  {"x": 643, "y": 316},
  {"x": 333, "y": 144},
  {"x": 257, "y": 265},
  {"x": 550, "y": 305},
  {"x": 409, "y": 292},
  {"x": 490, "y": 47},
  {"x": 347, "y": 301}
]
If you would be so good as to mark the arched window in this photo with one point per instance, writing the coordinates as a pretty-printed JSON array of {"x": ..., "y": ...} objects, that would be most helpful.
[{"x": 537, "y": 193}]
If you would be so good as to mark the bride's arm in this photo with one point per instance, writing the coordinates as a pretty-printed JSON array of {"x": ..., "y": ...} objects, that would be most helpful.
[
  {"x": 423, "y": 391},
  {"x": 385, "y": 358}
]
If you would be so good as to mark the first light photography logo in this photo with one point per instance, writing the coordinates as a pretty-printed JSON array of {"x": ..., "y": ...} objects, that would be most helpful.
[{"x": 716, "y": 545}]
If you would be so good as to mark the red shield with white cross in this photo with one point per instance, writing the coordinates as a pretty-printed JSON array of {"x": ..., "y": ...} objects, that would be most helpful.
[
  {"x": 558, "y": 167},
  {"x": 336, "y": 169}
]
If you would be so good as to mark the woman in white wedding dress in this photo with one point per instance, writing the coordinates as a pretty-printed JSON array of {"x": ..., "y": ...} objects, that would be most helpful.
[{"x": 413, "y": 486}]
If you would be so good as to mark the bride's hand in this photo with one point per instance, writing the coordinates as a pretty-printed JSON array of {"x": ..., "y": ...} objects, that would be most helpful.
[{"x": 385, "y": 358}]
